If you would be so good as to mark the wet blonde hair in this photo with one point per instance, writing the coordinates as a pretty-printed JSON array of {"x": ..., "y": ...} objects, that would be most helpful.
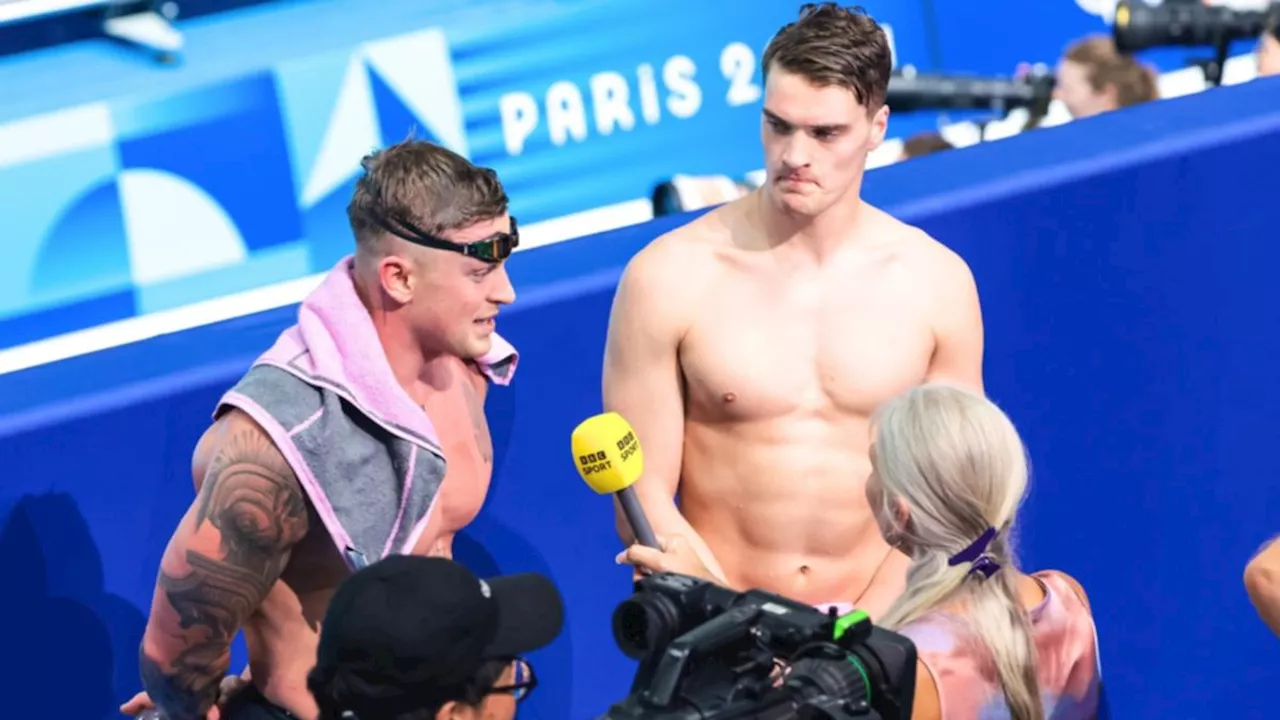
[{"x": 956, "y": 462}]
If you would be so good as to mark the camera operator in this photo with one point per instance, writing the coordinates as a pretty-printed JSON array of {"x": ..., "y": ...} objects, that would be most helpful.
[
  {"x": 949, "y": 473},
  {"x": 422, "y": 638},
  {"x": 1093, "y": 78}
]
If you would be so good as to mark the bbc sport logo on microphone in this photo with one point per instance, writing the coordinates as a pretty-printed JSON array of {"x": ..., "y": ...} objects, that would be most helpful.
[
  {"x": 607, "y": 453},
  {"x": 592, "y": 463},
  {"x": 628, "y": 445},
  {"x": 610, "y": 460}
]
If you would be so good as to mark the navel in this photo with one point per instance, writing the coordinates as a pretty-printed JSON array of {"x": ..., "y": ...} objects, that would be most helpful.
[{"x": 804, "y": 569}]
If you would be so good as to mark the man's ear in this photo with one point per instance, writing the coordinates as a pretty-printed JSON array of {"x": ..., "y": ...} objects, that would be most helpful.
[
  {"x": 879, "y": 126},
  {"x": 454, "y": 710},
  {"x": 397, "y": 276}
]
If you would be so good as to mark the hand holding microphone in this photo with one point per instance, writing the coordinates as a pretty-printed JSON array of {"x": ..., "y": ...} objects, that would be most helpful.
[{"x": 608, "y": 457}]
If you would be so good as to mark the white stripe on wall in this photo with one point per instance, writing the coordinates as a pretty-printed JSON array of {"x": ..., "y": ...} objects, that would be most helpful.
[
  {"x": 1172, "y": 84},
  {"x": 130, "y": 330}
]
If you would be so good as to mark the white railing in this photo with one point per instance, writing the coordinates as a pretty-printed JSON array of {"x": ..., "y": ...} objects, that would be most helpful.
[
  {"x": 21, "y": 10},
  {"x": 147, "y": 29}
]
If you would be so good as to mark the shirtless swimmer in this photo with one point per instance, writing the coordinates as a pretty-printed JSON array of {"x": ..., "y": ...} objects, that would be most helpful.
[
  {"x": 749, "y": 347},
  {"x": 331, "y": 452}
]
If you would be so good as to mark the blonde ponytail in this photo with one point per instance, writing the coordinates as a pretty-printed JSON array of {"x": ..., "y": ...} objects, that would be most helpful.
[
  {"x": 957, "y": 464},
  {"x": 996, "y": 615}
]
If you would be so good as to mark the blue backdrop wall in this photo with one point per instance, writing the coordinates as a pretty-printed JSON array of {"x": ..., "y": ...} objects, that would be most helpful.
[
  {"x": 163, "y": 185},
  {"x": 1130, "y": 309}
]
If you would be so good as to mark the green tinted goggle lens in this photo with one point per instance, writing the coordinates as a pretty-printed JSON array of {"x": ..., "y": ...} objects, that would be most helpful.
[{"x": 495, "y": 248}]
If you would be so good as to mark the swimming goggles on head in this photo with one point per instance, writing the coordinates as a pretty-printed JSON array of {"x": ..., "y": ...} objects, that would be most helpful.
[{"x": 495, "y": 248}]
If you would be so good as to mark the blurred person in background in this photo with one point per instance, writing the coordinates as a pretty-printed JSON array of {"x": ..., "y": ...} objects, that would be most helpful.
[
  {"x": 924, "y": 143},
  {"x": 692, "y": 192},
  {"x": 419, "y": 638},
  {"x": 1093, "y": 78},
  {"x": 1268, "y": 51}
]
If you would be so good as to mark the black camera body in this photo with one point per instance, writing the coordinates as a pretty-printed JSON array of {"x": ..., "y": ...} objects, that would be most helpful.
[
  {"x": 709, "y": 653},
  {"x": 1139, "y": 25},
  {"x": 1190, "y": 23},
  {"x": 911, "y": 92}
]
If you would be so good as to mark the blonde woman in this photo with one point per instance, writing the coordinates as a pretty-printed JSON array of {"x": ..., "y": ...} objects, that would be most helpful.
[{"x": 949, "y": 473}]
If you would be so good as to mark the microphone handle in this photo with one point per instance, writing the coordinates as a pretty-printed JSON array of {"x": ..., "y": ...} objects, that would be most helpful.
[{"x": 635, "y": 518}]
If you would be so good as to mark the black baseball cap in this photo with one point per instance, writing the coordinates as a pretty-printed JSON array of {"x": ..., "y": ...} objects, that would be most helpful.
[{"x": 419, "y": 626}]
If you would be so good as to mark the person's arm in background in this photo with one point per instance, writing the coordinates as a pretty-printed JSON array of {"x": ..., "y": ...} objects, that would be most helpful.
[
  {"x": 958, "y": 329},
  {"x": 1262, "y": 581},
  {"x": 643, "y": 384},
  {"x": 227, "y": 552}
]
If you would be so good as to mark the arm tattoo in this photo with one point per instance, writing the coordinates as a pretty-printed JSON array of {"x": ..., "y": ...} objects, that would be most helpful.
[{"x": 253, "y": 500}]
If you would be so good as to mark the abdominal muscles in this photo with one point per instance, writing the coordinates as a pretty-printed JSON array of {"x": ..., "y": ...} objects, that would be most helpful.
[{"x": 781, "y": 504}]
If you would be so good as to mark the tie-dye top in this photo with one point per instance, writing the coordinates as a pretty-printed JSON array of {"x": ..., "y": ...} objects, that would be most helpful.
[{"x": 1067, "y": 662}]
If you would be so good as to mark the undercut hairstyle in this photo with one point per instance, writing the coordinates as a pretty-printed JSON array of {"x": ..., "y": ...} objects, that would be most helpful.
[
  {"x": 431, "y": 186},
  {"x": 830, "y": 45}
]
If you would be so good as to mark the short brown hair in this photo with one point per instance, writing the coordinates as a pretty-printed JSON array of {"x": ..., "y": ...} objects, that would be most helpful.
[
  {"x": 1104, "y": 65},
  {"x": 832, "y": 45},
  {"x": 430, "y": 186}
]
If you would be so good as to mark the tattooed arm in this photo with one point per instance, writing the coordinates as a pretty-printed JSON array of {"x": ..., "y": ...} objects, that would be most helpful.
[{"x": 226, "y": 554}]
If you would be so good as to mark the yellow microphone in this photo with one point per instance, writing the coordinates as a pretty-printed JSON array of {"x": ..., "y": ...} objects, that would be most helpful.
[{"x": 608, "y": 457}]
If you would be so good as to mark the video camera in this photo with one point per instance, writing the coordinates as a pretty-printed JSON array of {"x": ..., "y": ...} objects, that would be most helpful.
[
  {"x": 1189, "y": 23},
  {"x": 909, "y": 92},
  {"x": 709, "y": 653}
]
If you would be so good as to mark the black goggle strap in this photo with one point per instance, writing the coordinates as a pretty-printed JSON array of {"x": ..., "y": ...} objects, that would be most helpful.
[{"x": 495, "y": 248}]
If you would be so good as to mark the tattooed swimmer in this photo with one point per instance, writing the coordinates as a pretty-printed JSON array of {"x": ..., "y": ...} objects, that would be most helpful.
[{"x": 329, "y": 454}]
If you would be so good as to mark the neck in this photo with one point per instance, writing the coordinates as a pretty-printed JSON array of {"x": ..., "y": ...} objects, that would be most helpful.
[
  {"x": 819, "y": 236},
  {"x": 412, "y": 367}
]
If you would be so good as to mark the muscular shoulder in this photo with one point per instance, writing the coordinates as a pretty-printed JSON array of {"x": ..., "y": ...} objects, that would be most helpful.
[
  {"x": 682, "y": 254},
  {"x": 234, "y": 439},
  {"x": 930, "y": 259},
  {"x": 663, "y": 280},
  {"x": 248, "y": 486}
]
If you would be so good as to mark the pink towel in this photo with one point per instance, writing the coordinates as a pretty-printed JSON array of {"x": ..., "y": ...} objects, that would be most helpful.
[
  {"x": 334, "y": 342},
  {"x": 374, "y": 485}
]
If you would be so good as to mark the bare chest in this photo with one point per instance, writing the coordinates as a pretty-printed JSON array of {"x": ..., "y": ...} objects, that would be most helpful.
[
  {"x": 459, "y": 420},
  {"x": 840, "y": 346},
  {"x": 463, "y": 431}
]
